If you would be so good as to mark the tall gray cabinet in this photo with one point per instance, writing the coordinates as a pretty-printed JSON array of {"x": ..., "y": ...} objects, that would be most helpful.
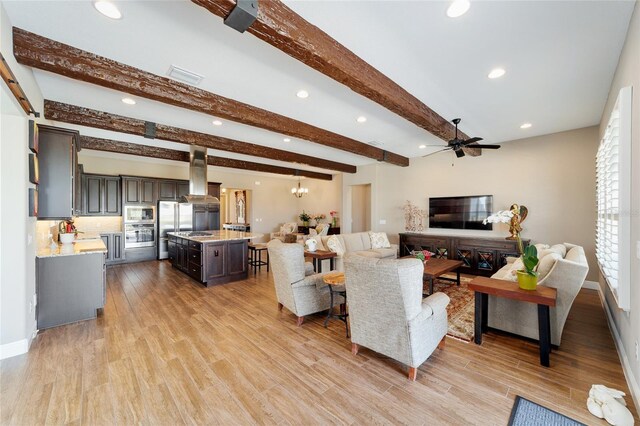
[{"x": 58, "y": 167}]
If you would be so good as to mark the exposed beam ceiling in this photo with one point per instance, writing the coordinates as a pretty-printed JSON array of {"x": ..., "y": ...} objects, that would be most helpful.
[
  {"x": 49, "y": 55},
  {"x": 109, "y": 145},
  {"x": 103, "y": 120},
  {"x": 284, "y": 29}
]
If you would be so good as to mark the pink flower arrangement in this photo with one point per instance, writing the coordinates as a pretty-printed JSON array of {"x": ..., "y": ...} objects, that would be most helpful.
[{"x": 333, "y": 213}]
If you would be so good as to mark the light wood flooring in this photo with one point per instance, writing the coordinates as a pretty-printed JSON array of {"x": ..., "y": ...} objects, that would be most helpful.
[{"x": 169, "y": 351}]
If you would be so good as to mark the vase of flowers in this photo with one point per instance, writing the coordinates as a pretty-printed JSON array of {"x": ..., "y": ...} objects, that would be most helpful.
[
  {"x": 334, "y": 218},
  {"x": 527, "y": 277},
  {"x": 304, "y": 217},
  {"x": 423, "y": 255}
]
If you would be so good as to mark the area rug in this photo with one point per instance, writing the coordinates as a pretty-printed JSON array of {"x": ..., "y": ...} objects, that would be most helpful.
[
  {"x": 461, "y": 308},
  {"x": 525, "y": 412}
]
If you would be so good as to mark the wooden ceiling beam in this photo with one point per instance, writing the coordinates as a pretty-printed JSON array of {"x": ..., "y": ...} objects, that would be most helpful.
[
  {"x": 103, "y": 120},
  {"x": 109, "y": 145},
  {"x": 40, "y": 52},
  {"x": 287, "y": 31}
]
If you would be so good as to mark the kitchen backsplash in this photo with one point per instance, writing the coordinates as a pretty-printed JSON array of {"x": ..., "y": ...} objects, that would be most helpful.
[
  {"x": 99, "y": 224},
  {"x": 91, "y": 225}
]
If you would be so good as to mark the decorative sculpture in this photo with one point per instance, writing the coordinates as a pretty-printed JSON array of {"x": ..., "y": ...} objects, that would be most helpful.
[
  {"x": 606, "y": 403},
  {"x": 413, "y": 218},
  {"x": 519, "y": 215}
]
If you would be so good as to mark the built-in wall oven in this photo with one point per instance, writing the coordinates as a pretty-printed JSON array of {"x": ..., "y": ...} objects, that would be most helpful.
[
  {"x": 139, "y": 235},
  {"x": 139, "y": 226}
]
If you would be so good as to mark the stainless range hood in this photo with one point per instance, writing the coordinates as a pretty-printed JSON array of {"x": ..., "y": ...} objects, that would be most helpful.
[{"x": 198, "y": 184}]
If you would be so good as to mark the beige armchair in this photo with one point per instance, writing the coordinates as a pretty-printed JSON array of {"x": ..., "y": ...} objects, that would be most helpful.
[
  {"x": 298, "y": 288},
  {"x": 286, "y": 229},
  {"x": 322, "y": 229},
  {"x": 566, "y": 274},
  {"x": 387, "y": 312}
]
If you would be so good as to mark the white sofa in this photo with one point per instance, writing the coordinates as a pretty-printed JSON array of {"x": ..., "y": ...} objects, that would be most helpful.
[
  {"x": 360, "y": 243},
  {"x": 565, "y": 269}
]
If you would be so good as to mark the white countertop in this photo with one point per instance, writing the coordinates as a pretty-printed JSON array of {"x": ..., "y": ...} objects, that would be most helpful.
[
  {"x": 223, "y": 235},
  {"x": 78, "y": 247}
]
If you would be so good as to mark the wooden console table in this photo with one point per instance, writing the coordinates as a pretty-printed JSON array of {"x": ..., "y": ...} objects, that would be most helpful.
[
  {"x": 544, "y": 297},
  {"x": 305, "y": 230},
  {"x": 479, "y": 255}
]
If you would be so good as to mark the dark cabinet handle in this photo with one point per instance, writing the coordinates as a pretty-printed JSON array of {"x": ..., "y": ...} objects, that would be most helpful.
[{"x": 215, "y": 253}]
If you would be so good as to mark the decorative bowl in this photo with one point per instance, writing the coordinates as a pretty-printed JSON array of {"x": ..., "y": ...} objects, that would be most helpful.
[{"x": 67, "y": 238}]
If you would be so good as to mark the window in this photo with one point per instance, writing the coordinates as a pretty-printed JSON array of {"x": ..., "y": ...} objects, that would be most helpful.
[{"x": 613, "y": 198}]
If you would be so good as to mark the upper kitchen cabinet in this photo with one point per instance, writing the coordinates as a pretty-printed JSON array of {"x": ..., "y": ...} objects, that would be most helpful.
[
  {"x": 139, "y": 190},
  {"x": 58, "y": 166},
  {"x": 101, "y": 195},
  {"x": 214, "y": 189},
  {"x": 172, "y": 190}
]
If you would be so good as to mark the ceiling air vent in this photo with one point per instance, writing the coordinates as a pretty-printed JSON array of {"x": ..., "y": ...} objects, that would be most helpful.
[
  {"x": 374, "y": 143},
  {"x": 185, "y": 76}
]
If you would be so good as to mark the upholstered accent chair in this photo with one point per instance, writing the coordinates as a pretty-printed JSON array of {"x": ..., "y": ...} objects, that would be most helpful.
[
  {"x": 387, "y": 312},
  {"x": 322, "y": 229},
  {"x": 298, "y": 288},
  {"x": 285, "y": 229},
  {"x": 563, "y": 267}
]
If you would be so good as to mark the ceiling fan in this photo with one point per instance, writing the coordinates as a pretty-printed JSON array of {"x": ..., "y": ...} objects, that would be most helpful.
[{"x": 464, "y": 147}]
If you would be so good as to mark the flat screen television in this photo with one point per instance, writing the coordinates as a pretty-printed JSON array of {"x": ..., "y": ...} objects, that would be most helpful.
[{"x": 460, "y": 212}]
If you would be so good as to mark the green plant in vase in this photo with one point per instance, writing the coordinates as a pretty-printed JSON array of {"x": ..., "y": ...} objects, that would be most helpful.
[
  {"x": 527, "y": 277},
  {"x": 304, "y": 217}
]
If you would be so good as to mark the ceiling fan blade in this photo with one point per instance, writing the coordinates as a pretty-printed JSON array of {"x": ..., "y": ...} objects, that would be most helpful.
[
  {"x": 472, "y": 140},
  {"x": 459, "y": 153},
  {"x": 435, "y": 152},
  {"x": 487, "y": 146}
]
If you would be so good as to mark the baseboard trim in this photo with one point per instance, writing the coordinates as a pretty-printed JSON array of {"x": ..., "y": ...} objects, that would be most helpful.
[
  {"x": 591, "y": 285},
  {"x": 626, "y": 365},
  {"x": 19, "y": 347}
]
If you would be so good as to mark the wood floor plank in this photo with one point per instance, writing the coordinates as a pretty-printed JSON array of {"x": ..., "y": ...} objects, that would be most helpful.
[{"x": 167, "y": 350}]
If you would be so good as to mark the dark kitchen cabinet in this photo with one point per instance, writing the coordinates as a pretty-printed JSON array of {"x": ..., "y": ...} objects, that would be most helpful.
[
  {"x": 101, "y": 195},
  {"x": 139, "y": 190},
  {"x": 172, "y": 190},
  {"x": 214, "y": 258},
  {"x": 115, "y": 247},
  {"x": 236, "y": 257},
  {"x": 182, "y": 189},
  {"x": 58, "y": 167},
  {"x": 213, "y": 189},
  {"x": 206, "y": 217},
  {"x": 479, "y": 255}
]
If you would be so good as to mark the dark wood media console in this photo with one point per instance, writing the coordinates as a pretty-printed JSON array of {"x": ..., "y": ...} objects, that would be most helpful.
[{"x": 479, "y": 255}]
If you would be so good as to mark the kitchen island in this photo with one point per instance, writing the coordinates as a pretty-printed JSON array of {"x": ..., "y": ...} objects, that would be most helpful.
[
  {"x": 70, "y": 282},
  {"x": 211, "y": 257}
]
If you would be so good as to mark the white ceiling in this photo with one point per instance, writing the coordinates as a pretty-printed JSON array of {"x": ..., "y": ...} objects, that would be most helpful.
[{"x": 559, "y": 56}]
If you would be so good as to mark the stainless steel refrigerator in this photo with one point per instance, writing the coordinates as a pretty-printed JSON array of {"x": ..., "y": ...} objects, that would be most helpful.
[{"x": 172, "y": 217}]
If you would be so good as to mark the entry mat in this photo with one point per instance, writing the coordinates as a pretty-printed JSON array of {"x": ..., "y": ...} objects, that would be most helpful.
[{"x": 528, "y": 413}]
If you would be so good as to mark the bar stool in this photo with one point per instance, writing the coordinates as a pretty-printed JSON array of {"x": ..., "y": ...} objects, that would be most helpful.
[{"x": 255, "y": 256}]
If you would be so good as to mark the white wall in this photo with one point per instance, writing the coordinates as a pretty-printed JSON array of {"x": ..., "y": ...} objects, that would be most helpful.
[
  {"x": 271, "y": 201},
  {"x": 627, "y": 324},
  {"x": 17, "y": 246},
  {"x": 553, "y": 175}
]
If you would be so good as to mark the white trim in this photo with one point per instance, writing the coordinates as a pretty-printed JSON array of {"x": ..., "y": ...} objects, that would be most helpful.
[
  {"x": 626, "y": 366},
  {"x": 591, "y": 285},
  {"x": 19, "y": 347}
]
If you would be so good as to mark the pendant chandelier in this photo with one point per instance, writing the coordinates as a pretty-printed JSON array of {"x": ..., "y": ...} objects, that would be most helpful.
[{"x": 299, "y": 191}]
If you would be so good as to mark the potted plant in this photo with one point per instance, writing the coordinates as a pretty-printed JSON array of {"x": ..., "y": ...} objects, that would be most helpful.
[
  {"x": 304, "y": 217},
  {"x": 527, "y": 277},
  {"x": 423, "y": 255}
]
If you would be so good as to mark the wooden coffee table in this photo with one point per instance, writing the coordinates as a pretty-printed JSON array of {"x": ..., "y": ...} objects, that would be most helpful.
[
  {"x": 544, "y": 297},
  {"x": 434, "y": 268},
  {"x": 318, "y": 256}
]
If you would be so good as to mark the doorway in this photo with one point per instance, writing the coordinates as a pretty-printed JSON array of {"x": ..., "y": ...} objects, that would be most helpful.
[
  {"x": 235, "y": 206},
  {"x": 360, "y": 208}
]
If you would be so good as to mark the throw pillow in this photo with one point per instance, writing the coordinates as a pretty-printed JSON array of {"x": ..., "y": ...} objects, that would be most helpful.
[
  {"x": 541, "y": 247},
  {"x": 546, "y": 264},
  {"x": 560, "y": 249},
  {"x": 379, "y": 240},
  {"x": 319, "y": 245},
  {"x": 334, "y": 245}
]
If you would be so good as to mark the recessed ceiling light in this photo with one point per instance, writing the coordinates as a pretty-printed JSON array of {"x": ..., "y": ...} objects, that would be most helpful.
[
  {"x": 128, "y": 101},
  {"x": 217, "y": 123},
  {"x": 458, "y": 8},
  {"x": 525, "y": 126},
  {"x": 422, "y": 146},
  {"x": 302, "y": 94},
  {"x": 108, "y": 9},
  {"x": 496, "y": 73},
  {"x": 361, "y": 119},
  {"x": 286, "y": 140}
]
